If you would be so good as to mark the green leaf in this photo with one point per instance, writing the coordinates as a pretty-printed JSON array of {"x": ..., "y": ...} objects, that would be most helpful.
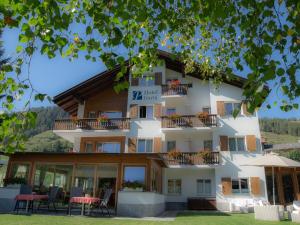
[{"x": 19, "y": 48}]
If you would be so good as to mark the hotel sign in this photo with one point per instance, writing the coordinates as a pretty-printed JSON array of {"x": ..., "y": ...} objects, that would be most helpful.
[{"x": 145, "y": 94}]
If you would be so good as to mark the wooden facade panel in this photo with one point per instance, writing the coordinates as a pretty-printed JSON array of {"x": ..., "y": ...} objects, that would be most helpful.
[
  {"x": 255, "y": 186},
  {"x": 132, "y": 145},
  {"x": 158, "y": 78},
  {"x": 106, "y": 100},
  {"x": 221, "y": 108},
  {"x": 157, "y": 144},
  {"x": 157, "y": 110},
  {"x": 251, "y": 143},
  {"x": 226, "y": 185},
  {"x": 224, "y": 143},
  {"x": 134, "y": 111}
]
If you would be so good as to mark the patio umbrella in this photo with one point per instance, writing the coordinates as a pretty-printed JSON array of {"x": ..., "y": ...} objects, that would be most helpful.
[{"x": 272, "y": 160}]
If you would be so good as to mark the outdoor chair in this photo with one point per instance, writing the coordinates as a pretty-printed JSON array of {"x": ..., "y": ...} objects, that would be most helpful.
[
  {"x": 295, "y": 214},
  {"x": 75, "y": 192},
  {"x": 52, "y": 198},
  {"x": 269, "y": 212},
  {"x": 24, "y": 190},
  {"x": 103, "y": 204}
]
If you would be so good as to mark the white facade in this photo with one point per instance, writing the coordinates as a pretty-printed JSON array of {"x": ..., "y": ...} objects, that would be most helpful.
[{"x": 202, "y": 94}]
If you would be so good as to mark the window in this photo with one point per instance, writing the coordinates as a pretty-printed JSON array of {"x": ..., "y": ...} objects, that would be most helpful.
[
  {"x": 204, "y": 187},
  {"x": 20, "y": 170},
  {"x": 89, "y": 147},
  {"x": 170, "y": 111},
  {"x": 145, "y": 145},
  {"x": 240, "y": 185},
  {"x": 112, "y": 115},
  {"x": 174, "y": 186},
  {"x": 108, "y": 147},
  {"x": 146, "y": 112},
  {"x": 207, "y": 144},
  {"x": 231, "y": 106},
  {"x": 147, "y": 80},
  {"x": 237, "y": 144},
  {"x": 134, "y": 174},
  {"x": 84, "y": 177},
  {"x": 206, "y": 109},
  {"x": 92, "y": 114},
  {"x": 171, "y": 145}
]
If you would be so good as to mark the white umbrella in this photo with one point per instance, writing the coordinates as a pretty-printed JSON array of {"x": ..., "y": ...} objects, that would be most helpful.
[{"x": 272, "y": 160}]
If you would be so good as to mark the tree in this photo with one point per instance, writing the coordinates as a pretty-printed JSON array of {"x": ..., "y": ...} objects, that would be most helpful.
[
  {"x": 3, "y": 59},
  {"x": 213, "y": 38}
]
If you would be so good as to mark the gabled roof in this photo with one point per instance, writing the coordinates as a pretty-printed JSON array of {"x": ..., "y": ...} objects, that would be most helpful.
[{"x": 69, "y": 99}]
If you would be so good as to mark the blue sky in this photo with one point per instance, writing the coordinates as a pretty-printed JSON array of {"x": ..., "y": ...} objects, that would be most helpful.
[{"x": 58, "y": 74}]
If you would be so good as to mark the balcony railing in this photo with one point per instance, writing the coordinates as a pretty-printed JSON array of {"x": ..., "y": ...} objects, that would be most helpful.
[
  {"x": 92, "y": 124},
  {"x": 191, "y": 158},
  {"x": 189, "y": 121},
  {"x": 179, "y": 89}
]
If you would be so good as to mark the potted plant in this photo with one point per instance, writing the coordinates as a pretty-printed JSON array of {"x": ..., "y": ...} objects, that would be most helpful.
[
  {"x": 174, "y": 154},
  {"x": 75, "y": 121},
  {"x": 14, "y": 181},
  {"x": 174, "y": 84},
  {"x": 174, "y": 116},
  {"x": 203, "y": 155},
  {"x": 202, "y": 115},
  {"x": 133, "y": 186},
  {"x": 103, "y": 119}
]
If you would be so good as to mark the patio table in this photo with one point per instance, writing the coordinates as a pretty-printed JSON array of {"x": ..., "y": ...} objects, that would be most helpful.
[
  {"x": 30, "y": 197},
  {"x": 83, "y": 201}
]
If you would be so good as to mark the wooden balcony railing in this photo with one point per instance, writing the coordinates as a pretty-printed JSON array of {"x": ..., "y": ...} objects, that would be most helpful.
[
  {"x": 180, "y": 89},
  {"x": 191, "y": 158},
  {"x": 189, "y": 121},
  {"x": 92, "y": 124}
]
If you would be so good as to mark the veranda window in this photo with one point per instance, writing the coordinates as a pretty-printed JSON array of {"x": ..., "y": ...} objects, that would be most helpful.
[
  {"x": 20, "y": 170},
  {"x": 134, "y": 176},
  {"x": 84, "y": 177}
]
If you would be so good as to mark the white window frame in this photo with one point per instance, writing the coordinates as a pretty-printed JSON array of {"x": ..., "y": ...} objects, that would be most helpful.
[
  {"x": 92, "y": 112},
  {"x": 240, "y": 185},
  {"x": 146, "y": 111},
  {"x": 203, "y": 187},
  {"x": 115, "y": 144},
  {"x": 167, "y": 145},
  {"x": 236, "y": 144},
  {"x": 174, "y": 186},
  {"x": 232, "y": 104},
  {"x": 146, "y": 139}
]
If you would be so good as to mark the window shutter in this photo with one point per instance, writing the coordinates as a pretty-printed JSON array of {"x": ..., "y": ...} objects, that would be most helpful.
[
  {"x": 220, "y": 108},
  {"x": 133, "y": 111},
  {"x": 157, "y": 110},
  {"x": 255, "y": 185},
  {"x": 226, "y": 185},
  {"x": 158, "y": 78},
  {"x": 245, "y": 110},
  {"x": 224, "y": 143},
  {"x": 134, "y": 81},
  {"x": 131, "y": 145},
  {"x": 251, "y": 143},
  {"x": 157, "y": 144}
]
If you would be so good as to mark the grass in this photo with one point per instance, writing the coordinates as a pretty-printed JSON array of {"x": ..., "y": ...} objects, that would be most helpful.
[
  {"x": 273, "y": 138},
  {"x": 191, "y": 218}
]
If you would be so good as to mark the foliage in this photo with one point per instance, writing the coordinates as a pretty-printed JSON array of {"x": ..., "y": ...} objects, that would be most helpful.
[
  {"x": 47, "y": 141},
  {"x": 133, "y": 184},
  {"x": 175, "y": 153},
  {"x": 3, "y": 60},
  {"x": 272, "y": 138},
  {"x": 202, "y": 115},
  {"x": 174, "y": 116},
  {"x": 213, "y": 39},
  {"x": 280, "y": 126},
  {"x": 14, "y": 180},
  {"x": 102, "y": 119}
]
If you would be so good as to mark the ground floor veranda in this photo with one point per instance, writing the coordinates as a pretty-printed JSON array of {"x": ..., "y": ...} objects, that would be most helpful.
[
  {"x": 93, "y": 172},
  {"x": 287, "y": 185}
]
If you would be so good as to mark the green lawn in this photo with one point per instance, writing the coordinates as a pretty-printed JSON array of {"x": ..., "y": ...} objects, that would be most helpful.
[{"x": 181, "y": 219}]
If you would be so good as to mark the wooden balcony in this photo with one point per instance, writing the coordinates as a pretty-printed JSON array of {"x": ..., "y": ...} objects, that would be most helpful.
[
  {"x": 180, "y": 89},
  {"x": 92, "y": 124},
  {"x": 189, "y": 121},
  {"x": 191, "y": 158}
]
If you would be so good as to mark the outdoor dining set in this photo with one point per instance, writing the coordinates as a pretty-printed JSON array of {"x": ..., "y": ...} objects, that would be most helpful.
[{"x": 27, "y": 199}]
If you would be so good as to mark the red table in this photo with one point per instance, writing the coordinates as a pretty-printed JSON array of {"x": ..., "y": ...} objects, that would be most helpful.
[
  {"x": 30, "y": 197},
  {"x": 83, "y": 201}
]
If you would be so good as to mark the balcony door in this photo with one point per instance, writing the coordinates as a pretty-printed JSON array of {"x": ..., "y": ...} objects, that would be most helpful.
[
  {"x": 112, "y": 114},
  {"x": 107, "y": 179}
]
